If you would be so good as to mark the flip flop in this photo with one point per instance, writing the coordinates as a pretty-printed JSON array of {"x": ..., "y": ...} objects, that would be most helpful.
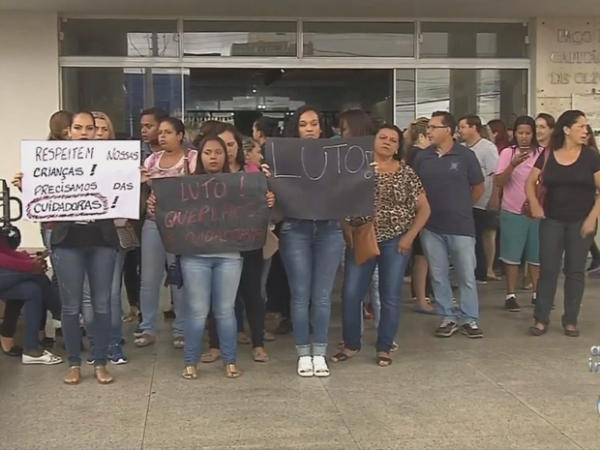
[{"x": 428, "y": 312}]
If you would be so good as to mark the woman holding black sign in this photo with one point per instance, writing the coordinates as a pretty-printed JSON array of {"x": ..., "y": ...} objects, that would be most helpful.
[
  {"x": 401, "y": 211},
  {"x": 311, "y": 251},
  {"x": 212, "y": 279},
  {"x": 249, "y": 292}
]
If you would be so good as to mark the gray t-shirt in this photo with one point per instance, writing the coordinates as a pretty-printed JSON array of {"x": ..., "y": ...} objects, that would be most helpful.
[{"x": 487, "y": 155}]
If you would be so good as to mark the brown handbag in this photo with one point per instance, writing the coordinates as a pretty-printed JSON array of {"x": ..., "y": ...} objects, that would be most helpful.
[
  {"x": 540, "y": 189},
  {"x": 364, "y": 243},
  {"x": 362, "y": 239}
]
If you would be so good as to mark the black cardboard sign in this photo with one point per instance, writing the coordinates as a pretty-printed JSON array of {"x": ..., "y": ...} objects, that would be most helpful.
[
  {"x": 321, "y": 179},
  {"x": 208, "y": 214}
]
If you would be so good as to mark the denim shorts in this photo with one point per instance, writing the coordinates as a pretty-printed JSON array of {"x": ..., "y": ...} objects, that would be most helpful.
[{"x": 519, "y": 239}]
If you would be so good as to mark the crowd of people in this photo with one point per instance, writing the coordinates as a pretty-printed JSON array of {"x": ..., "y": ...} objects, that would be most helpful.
[{"x": 442, "y": 190}]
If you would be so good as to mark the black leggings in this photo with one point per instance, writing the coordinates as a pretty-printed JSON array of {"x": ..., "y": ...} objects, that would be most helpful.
[
  {"x": 250, "y": 293},
  {"x": 131, "y": 276}
]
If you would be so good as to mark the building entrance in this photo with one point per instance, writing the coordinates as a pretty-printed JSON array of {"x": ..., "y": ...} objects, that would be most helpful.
[{"x": 239, "y": 96}]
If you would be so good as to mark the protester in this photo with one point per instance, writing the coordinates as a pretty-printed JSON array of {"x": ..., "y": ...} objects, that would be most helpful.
[
  {"x": 264, "y": 127},
  {"x": 23, "y": 279},
  {"x": 212, "y": 279},
  {"x": 172, "y": 161},
  {"x": 249, "y": 297},
  {"x": 453, "y": 183},
  {"x": 357, "y": 123},
  {"x": 519, "y": 235},
  {"x": 60, "y": 122},
  {"x": 149, "y": 122},
  {"x": 499, "y": 133},
  {"x": 544, "y": 125},
  {"x": 80, "y": 249},
  {"x": 417, "y": 140},
  {"x": 105, "y": 131},
  {"x": 401, "y": 211},
  {"x": 470, "y": 129},
  {"x": 570, "y": 172},
  {"x": 311, "y": 252}
]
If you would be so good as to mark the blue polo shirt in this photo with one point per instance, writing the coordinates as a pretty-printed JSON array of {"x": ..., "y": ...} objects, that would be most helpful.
[{"x": 447, "y": 180}]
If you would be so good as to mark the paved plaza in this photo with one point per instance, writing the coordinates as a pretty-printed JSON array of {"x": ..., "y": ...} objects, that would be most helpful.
[{"x": 507, "y": 391}]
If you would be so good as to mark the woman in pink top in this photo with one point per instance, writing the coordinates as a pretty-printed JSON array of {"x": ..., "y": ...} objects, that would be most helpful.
[
  {"x": 519, "y": 235},
  {"x": 173, "y": 161}
]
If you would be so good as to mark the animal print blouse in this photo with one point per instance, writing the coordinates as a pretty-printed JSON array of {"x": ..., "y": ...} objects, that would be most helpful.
[{"x": 396, "y": 197}]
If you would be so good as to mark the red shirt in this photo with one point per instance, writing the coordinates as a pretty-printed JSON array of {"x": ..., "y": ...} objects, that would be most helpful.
[{"x": 13, "y": 260}]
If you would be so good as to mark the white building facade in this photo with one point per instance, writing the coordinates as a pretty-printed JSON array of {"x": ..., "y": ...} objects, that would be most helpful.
[{"x": 233, "y": 59}]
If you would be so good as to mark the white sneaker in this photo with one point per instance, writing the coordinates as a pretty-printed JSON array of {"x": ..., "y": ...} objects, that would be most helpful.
[
  {"x": 305, "y": 366},
  {"x": 47, "y": 359},
  {"x": 320, "y": 367}
]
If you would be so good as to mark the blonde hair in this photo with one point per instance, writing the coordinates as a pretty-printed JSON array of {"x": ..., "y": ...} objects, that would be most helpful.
[
  {"x": 249, "y": 143},
  {"x": 98, "y": 115},
  {"x": 191, "y": 134},
  {"x": 416, "y": 128}
]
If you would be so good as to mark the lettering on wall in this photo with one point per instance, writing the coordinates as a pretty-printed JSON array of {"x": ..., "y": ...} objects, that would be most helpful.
[{"x": 560, "y": 58}]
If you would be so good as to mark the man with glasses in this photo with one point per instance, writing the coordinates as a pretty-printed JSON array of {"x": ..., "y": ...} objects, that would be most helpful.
[{"x": 454, "y": 182}]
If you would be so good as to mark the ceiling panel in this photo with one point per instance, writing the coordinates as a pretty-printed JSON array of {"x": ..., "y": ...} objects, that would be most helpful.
[{"x": 498, "y": 9}]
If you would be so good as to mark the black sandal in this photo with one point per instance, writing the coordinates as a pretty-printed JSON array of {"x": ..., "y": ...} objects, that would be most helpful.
[
  {"x": 15, "y": 351},
  {"x": 341, "y": 356},
  {"x": 535, "y": 331}
]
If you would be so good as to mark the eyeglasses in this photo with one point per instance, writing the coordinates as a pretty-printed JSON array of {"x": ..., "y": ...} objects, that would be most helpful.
[{"x": 435, "y": 127}]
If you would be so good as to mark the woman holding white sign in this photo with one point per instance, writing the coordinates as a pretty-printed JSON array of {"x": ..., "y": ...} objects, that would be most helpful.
[
  {"x": 80, "y": 249},
  {"x": 311, "y": 251},
  {"x": 105, "y": 131},
  {"x": 172, "y": 161}
]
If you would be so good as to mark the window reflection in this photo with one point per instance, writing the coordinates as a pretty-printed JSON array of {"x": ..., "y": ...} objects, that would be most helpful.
[
  {"x": 214, "y": 38},
  {"x": 473, "y": 40},
  {"x": 356, "y": 39},
  {"x": 122, "y": 93},
  {"x": 119, "y": 37},
  {"x": 405, "y": 97},
  {"x": 489, "y": 93}
]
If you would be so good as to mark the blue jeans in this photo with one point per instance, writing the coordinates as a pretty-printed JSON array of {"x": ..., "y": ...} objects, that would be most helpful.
[
  {"x": 357, "y": 279},
  {"x": 373, "y": 295},
  {"x": 311, "y": 252},
  {"x": 115, "y": 303},
  {"x": 35, "y": 290},
  {"x": 72, "y": 265},
  {"x": 461, "y": 249},
  {"x": 210, "y": 279},
  {"x": 154, "y": 258}
]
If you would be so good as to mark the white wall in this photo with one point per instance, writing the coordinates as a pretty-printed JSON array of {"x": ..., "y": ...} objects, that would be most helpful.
[{"x": 29, "y": 90}]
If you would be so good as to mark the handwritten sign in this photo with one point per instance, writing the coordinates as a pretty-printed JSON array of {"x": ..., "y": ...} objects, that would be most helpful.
[
  {"x": 80, "y": 180},
  {"x": 321, "y": 179},
  {"x": 208, "y": 214}
]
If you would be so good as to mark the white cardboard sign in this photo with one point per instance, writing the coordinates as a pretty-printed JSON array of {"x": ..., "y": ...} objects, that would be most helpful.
[{"x": 80, "y": 180}]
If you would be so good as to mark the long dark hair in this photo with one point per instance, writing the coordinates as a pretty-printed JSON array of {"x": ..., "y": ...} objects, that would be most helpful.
[
  {"x": 390, "y": 126},
  {"x": 501, "y": 140},
  {"x": 222, "y": 127},
  {"x": 566, "y": 119},
  {"x": 200, "y": 170},
  {"x": 358, "y": 122},
  {"x": 268, "y": 126},
  {"x": 525, "y": 120},
  {"x": 291, "y": 128},
  {"x": 177, "y": 125}
]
